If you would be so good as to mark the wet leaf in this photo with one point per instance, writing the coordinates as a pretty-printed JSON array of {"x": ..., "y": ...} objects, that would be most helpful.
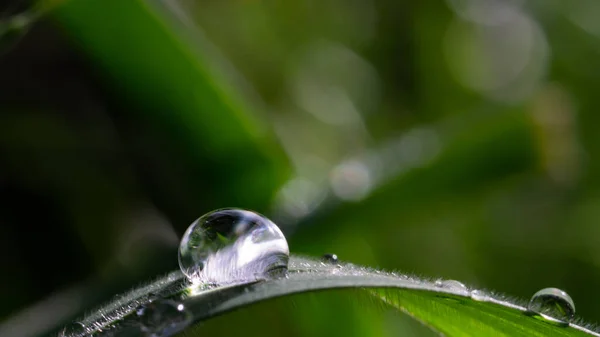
[{"x": 453, "y": 311}]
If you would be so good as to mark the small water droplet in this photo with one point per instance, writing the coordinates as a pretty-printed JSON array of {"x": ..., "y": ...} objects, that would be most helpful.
[
  {"x": 329, "y": 258},
  {"x": 232, "y": 245},
  {"x": 554, "y": 303},
  {"x": 73, "y": 329},
  {"x": 451, "y": 285},
  {"x": 478, "y": 295},
  {"x": 163, "y": 318}
]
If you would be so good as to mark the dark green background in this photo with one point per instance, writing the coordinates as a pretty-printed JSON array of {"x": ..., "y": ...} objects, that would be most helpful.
[{"x": 453, "y": 139}]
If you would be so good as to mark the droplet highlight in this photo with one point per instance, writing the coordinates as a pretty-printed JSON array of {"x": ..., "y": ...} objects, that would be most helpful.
[
  {"x": 554, "y": 303},
  {"x": 329, "y": 258},
  {"x": 73, "y": 329},
  {"x": 163, "y": 318},
  {"x": 232, "y": 246}
]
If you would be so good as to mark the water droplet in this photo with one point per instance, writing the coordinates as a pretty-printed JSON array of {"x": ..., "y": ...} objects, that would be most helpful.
[
  {"x": 479, "y": 295},
  {"x": 329, "y": 258},
  {"x": 554, "y": 303},
  {"x": 73, "y": 329},
  {"x": 232, "y": 245},
  {"x": 451, "y": 285},
  {"x": 163, "y": 318}
]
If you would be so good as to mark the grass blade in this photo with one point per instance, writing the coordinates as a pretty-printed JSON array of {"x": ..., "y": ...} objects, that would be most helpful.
[{"x": 453, "y": 311}]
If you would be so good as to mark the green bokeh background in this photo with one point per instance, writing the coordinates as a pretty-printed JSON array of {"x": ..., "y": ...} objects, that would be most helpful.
[{"x": 453, "y": 139}]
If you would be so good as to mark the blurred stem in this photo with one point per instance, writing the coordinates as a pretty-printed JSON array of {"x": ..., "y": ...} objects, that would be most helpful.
[{"x": 17, "y": 25}]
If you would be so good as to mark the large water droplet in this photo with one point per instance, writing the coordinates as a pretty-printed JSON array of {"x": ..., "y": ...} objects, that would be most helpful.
[
  {"x": 232, "y": 245},
  {"x": 73, "y": 329},
  {"x": 163, "y": 318},
  {"x": 554, "y": 303},
  {"x": 329, "y": 258}
]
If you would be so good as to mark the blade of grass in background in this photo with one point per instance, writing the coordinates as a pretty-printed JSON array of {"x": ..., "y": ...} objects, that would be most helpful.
[
  {"x": 170, "y": 84},
  {"x": 438, "y": 184},
  {"x": 156, "y": 129}
]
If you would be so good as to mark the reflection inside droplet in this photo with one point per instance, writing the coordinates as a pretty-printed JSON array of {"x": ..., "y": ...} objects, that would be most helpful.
[
  {"x": 232, "y": 245},
  {"x": 552, "y": 302}
]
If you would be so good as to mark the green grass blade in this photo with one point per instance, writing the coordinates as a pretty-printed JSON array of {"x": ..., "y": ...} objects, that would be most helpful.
[
  {"x": 180, "y": 96},
  {"x": 451, "y": 311}
]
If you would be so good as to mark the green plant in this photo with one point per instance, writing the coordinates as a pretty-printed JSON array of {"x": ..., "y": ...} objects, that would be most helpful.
[
  {"x": 169, "y": 73},
  {"x": 451, "y": 309}
]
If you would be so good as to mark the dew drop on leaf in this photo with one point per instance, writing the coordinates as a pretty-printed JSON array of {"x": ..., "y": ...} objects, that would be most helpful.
[
  {"x": 329, "y": 258},
  {"x": 451, "y": 285},
  {"x": 163, "y": 318},
  {"x": 73, "y": 329},
  {"x": 554, "y": 303},
  {"x": 231, "y": 246},
  {"x": 478, "y": 295}
]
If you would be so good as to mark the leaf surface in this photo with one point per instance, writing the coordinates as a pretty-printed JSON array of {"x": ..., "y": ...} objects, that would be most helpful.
[{"x": 452, "y": 311}]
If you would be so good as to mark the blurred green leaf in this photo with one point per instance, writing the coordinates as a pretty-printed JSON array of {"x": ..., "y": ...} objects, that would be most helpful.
[{"x": 178, "y": 92}]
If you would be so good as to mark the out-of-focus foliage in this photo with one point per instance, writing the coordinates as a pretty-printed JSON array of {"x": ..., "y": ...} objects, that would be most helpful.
[{"x": 453, "y": 139}]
